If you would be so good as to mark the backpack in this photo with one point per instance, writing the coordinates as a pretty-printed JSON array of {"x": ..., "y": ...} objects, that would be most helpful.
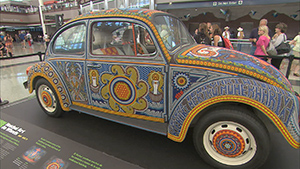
[
  {"x": 283, "y": 47},
  {"x": 202, "y": 39},
  {"x": 227, "y": 43}
]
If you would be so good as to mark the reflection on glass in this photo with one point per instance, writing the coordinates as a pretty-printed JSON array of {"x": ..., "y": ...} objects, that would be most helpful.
[{"x": 172, "y": 32}]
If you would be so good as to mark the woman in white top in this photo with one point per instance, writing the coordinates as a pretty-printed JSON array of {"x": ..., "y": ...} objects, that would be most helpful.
[
  {"x": 277, "y": 39},
  {"x": 217, "y": 39}
]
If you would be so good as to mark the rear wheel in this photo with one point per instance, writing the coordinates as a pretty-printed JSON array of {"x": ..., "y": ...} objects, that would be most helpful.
[
  {"x": 232, "y": 139},
  {"x": 47, "y": 98}
]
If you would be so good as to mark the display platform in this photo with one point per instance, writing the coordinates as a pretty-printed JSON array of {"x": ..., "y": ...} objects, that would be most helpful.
[
  {"x": 31, "y": 139},
  {"x": 24, "y": 145}
]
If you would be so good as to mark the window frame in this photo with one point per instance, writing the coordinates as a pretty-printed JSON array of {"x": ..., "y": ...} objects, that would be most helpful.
[
  {"x": 61, "y": 31},
  {"x": 129, "y": 20}
]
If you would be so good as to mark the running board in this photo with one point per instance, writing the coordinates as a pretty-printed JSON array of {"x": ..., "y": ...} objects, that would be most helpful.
[{"x": 155, "y": 127}]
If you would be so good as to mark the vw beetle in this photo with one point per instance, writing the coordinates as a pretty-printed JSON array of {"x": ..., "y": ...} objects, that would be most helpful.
[{"x": 142, "y": 68}]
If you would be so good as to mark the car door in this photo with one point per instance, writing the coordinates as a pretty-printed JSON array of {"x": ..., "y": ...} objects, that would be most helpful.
[
  {"x": 67, "y": 54},
  {"x": 126, "y": 72}
]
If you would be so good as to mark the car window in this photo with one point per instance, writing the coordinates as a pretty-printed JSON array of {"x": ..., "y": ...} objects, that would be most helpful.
[
  {"x": 121, "y": 39},
  {"x": 71, "y": 41},
  {"x": 172, "y": 32}
]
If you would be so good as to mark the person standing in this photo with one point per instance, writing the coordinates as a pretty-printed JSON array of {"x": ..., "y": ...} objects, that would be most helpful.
[
  {"x": 29, "y": 38},
  {"x": 9, "y": 44},
  {"x": 263, "y": 41},
  {"x": 209, "y": 27},
  {"x": 240, "y": 35},
  {"x": 46, "y": 39},
  {"x": 195, "y": 33},
  {"x": 22, "y": 36},
  {"x": 17, "y": 39},
  {"x": 217, "y": 39},
  {"x": 296, "y": 53},
  {"x": 202, "y": 36},
  {"x": 2, "y": 48},
  {"x": 1, "y": 36},
  {"x": 277, "y": 39},
  {"x": 254, "y": 35},
  {"x": 226, "y": 33}
]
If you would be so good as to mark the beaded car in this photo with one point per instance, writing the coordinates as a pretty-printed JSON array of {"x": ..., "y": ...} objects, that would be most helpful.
[{"x": 142, "y": 68}]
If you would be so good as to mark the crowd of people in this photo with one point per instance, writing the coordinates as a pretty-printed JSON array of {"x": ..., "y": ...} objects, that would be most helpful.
[
  {"x": 263, "y": 43},
  {"x": 23, "y": 37}
]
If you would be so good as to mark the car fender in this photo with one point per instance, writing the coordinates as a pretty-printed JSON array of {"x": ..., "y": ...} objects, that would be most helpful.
[
  {"x": 280, "y": 106},
  {"x": 45, "y": 70}
]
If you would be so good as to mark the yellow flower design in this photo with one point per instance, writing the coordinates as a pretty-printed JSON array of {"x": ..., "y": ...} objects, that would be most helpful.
[{"x": 124, "y": 90}]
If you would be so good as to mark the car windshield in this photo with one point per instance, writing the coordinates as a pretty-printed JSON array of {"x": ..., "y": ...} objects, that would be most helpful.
[{"x": 172, "y": 32}]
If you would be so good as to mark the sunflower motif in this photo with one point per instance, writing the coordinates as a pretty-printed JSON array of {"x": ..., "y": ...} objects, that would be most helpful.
[
  {"x": 124, "y": 90},
  {"x": 181, "y": 81}
]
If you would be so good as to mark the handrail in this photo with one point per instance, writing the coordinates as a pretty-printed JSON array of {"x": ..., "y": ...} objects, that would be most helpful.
[
  {"x": 239, "y": 40},
  {"x": 32, "y": 54},
  {"x": 290, "y": 57}
]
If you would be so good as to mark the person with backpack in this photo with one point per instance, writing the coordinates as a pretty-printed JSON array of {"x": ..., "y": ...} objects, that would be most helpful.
[
  {"x": 277, "y": 39},
  {"x": 202, "y": 37}
]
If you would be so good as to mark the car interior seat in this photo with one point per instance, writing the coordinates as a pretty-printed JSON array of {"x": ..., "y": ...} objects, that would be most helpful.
[
  {"x": 128, "y": 44},
  {"x": 101, "y": 44}
]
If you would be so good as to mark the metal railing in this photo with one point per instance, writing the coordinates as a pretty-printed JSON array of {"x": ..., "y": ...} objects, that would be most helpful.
[
  {"x": 40, "y": 54},
  {"x": 289, "y": 57},
  {"x": 243, "y": 42},
  {"x": 245, "y": 46}
]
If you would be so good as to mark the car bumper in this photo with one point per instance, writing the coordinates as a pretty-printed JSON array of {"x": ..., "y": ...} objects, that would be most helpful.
[{"x": 25, "y": 84}]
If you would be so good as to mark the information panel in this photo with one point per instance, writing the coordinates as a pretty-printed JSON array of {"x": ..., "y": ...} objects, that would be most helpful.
[{"x": 25, "y": 146}]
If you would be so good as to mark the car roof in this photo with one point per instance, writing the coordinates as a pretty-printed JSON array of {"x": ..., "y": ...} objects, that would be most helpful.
[{"x": 143, "y": 14}]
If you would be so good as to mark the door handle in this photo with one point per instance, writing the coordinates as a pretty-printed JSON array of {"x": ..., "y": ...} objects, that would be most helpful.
[{"x": 94, "y": 65}]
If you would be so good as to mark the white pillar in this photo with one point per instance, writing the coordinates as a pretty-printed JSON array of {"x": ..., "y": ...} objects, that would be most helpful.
[
  {"x": 105, "y": 4},
  {"x": 91, "y": 5},
  {"x": 81, "y": 10},
  {"x": 152, "y": 4},
  {"x": 126, "y": 3},
  {"x": 42, "y": 17}
]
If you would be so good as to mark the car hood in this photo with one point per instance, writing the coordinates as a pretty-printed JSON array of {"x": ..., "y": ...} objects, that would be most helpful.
[{"x": 233, "y": 61}]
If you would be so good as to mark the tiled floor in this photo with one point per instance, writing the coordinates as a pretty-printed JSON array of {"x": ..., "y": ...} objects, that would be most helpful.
[{"x": 13, "y": 73}]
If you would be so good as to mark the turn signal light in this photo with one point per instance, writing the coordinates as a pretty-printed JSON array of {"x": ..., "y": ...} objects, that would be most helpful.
[{"x": 27, "y": 70}]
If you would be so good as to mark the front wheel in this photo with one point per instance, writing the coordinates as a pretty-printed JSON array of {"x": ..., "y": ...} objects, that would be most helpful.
[
  {"x": 232, "y": 139},
  {"x": 47, "y": 98}
]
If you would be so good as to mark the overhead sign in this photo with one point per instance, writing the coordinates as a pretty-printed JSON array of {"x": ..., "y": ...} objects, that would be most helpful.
[{"x": 228, "y": 3}]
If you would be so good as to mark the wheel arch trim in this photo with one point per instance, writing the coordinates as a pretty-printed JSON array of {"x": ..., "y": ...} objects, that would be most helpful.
[
  {"x": 41, "y": 70},
  {"x": 238, "y": 99}
]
